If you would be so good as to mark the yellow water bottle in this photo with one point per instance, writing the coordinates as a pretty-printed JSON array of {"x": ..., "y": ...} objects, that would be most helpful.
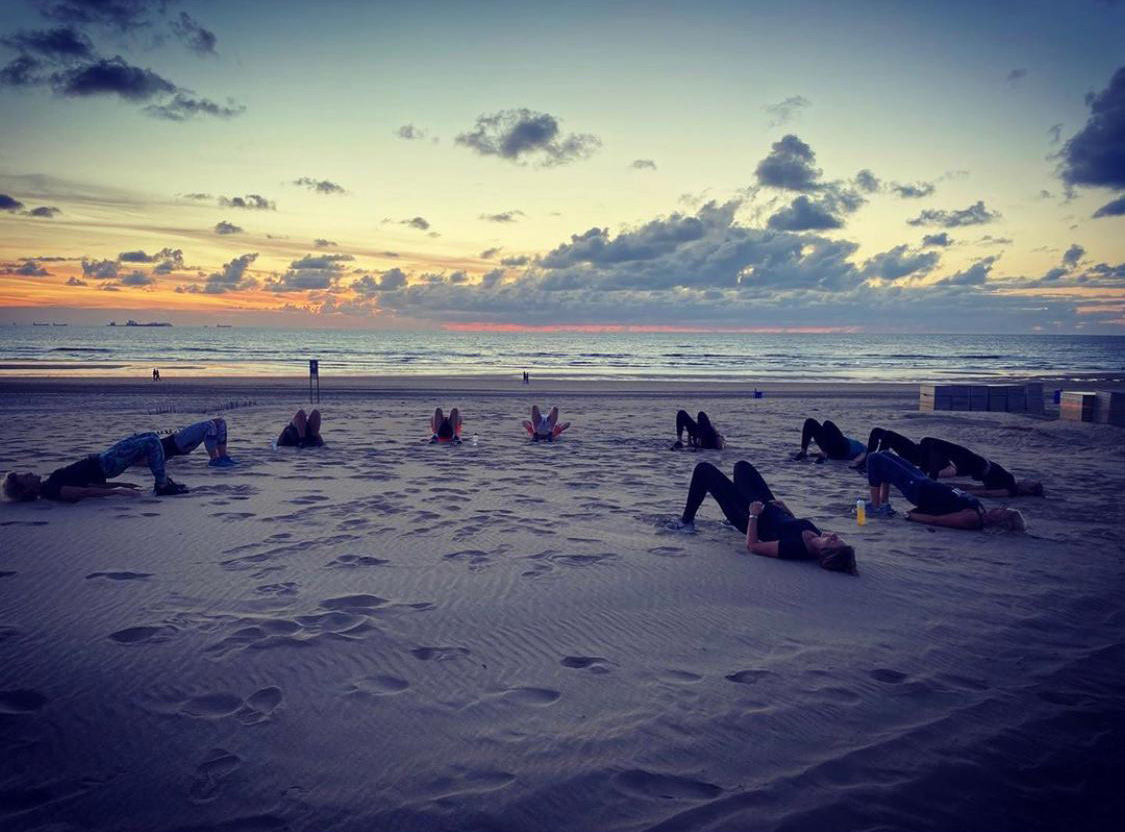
[{"x": 860, "y": 512}]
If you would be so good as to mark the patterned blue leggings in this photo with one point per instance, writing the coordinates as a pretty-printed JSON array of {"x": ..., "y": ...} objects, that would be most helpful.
[
  {"x": 211, "y": 433},
  {"x": 140, "y": 447}
]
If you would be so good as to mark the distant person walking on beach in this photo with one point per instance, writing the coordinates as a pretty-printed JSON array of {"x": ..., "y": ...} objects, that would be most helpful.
[
  {"x": 831, "y": 441},
  {"x": 771, "y": 529},
  {"x": 542, "y": 427},
  {"x": 446, "y": 428},
  {"x": 701, "y": 433},
  {"x": 155, "y": 374},
  {"x": 87, "y": 477},
  {"x": 936, "y": 504},
  {"x": 212, "y": 434},
  {"x": 946, "y": 459},
  {"x": 303, "y": 431}
]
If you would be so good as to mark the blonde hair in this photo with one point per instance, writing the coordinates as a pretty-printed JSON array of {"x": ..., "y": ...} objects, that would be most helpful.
[{"x": 14, "y": 490}]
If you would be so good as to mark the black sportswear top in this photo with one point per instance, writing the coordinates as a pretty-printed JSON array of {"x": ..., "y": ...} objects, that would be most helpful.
[
  {"x": 87, "y": 471},
  {"x": 775, "y": 524},
  {"x": 997, "y": 477},
  {"x": 170, "y": 448},
  {"x": 936, "y": 499}
]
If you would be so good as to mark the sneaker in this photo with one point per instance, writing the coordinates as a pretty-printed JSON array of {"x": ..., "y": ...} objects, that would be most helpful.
[
  {"x": 456, "y": 440},
  {"x": 679, "y": 525},
  {"x": 170, "y": 489},
  {"x": 434, "y": 439},
  {"x": 222, "y": 462},
  {"x": 677, "y": 445},
  {"x": 799, "y": 455},
  {"x": 885, "y": 510}
]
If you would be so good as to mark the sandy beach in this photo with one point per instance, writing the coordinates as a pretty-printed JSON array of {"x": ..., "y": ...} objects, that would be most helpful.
[{"x": 385, "y": 634}]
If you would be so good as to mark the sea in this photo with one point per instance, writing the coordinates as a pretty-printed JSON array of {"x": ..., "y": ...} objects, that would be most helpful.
[{"x": 706, "y": 356}]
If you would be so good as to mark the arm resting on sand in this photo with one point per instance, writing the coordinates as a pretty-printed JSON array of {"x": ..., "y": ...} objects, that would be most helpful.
[
  {"x": 753, "y": 545},
  {"x": 965, "y": 519}
]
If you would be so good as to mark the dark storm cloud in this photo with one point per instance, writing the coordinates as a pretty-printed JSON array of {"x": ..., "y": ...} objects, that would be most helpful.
[
  {"x": 916, "y": 190},
  {"x": 976, "y": 214},
  {"x": 785, "y": 111},
  {"x": 232, "y": 277},
  {"x": 136, "y": 279},
  {"x": 112, "y": 76},
  {"x": 8, "y": 203},
  {"x": 74, "y": 281},
  {"x": 1096, "y": 154},
  {"x": 416, "y": 222},
  {"x": 192, "y": 35},
  {"x": 790, "y": 165},
  {"x": 253, "y": 202},
  {"x": 901, "y": 262},
  {"x": 29, "y": 269},
  {"x": 411, "y": 133},
  {"x": 943, "y": 239},
  {"x": 505, "y": 216},
  {"x": 1016, "y": 75},
  {"x": 64, "y": 43},
  {"x": 522, "y": 134},
  {"x": 489, "y": 253},
  {"x": 867, "y": 181},
  {"x": 183, "y": 107},
  {"x": 804, "y": 215},
  {"x": 643, "y": 164},
  {"x": 44, "y": 211},
  {"x": 320, "y": 186},
  {"x": 99, "y": 269},
  {"x": 1116, "y": 208},
  {"x": 225, "y": 227},
  {"x": 24, "y": 71},
  {"x": 975, "y": 275}
]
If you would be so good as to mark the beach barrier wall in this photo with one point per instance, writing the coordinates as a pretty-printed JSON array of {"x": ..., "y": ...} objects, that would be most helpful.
[{"x": 994, "y": 398}]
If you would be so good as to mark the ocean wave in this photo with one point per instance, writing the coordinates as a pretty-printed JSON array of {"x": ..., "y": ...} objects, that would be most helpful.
[{"x": 79, "y": 349}]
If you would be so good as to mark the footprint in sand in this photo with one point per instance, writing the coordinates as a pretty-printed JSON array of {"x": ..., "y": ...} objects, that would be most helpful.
[
  {"x": 642, "y": 783},
  {"x": 259, "y": 706},
  {"x": 747, "y": 677},
  {"x": 7, "y": 574},
  {"x": 531, "y": 697},
  {"x": 24, "y": 523},
  {"x": 440, "y": 654},
  {"x": 142, "y": 635},
  {"x": 466, "y": 781},
  {"x": 595, "y": 664},
  {"x": 377, "y": 685},
  {"x": 890, "y": 677},
  {"x": 21, "y": 701},
  {"x": 120, "y": 576},
  {"x": 668, "y": 551},
  {"x": 210, "y": 773},
  {"x": 678, "y": 677},
  {"x": 356, "y": 561}
]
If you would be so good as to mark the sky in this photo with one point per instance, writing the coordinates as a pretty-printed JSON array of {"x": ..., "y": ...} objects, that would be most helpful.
[{"x": 860, "y": 166}]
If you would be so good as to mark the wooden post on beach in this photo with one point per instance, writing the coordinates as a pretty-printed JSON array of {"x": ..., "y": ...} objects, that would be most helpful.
[{"x": 314, "y": 372}]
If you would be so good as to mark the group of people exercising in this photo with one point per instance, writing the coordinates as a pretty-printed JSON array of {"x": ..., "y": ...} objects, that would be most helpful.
[{"x": 771, "y": 528}]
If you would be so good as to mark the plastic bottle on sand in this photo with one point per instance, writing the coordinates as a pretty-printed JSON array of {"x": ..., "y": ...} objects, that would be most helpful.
[{"x": 860, "y": 512}]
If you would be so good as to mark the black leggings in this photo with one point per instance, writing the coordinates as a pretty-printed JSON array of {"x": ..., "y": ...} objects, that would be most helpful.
[
  {"x": 701, "y": 433},
  {"x": 734, "y": 498},
  {"x": 937, "y": 454},
  {"x": 887, "y": 440},
  {"x": 827, "y": 437}
]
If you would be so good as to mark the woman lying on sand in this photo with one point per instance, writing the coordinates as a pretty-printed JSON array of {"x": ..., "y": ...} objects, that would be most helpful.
[
  {"x": 542, "y": 427},
  {"x": 771, "y": 528},
  {"x": 446, "y": 428},
  {"x": 87, "y": 477},
  {"x": 212, "y": 434},
  {"x": 945, "y": 459},
  {"x": 831, "y": 441},
  {"x": 701, "y": 433},
  {"x": 303, "y": 431},
  {"x": 937, "y": 504}
]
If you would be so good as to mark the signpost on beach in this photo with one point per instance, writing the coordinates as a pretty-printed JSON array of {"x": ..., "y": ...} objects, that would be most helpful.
[{"x": 314, "y": 372}]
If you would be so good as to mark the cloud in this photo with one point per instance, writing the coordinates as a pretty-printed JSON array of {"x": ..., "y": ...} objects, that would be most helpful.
[
  {"x": 320, "y": 242},
  {"x": 44, "y": 211},
  {"x": 173, "y": 260},
  {"x": 112, "y": 76},
  {"x": 914, "y": 191},
  {"x": 416, "y": 222},
  {"x": 74, "y": 281},
  {"x": 196, "y": 196},
  {"x": 136, "y": 279},
  {"x": 943, "y": 239},
  {"x": 643, "y": 164},
  {"x": 506, "y": 216},
  {"x": 321, "y": 271},
  {"x": 194, "y": 37},
  {"x": 1054, "y": 133},
  {"x": 804, "y": 215},
  {"x": 975, "y": 275},
  {"x": 23, "y": 71},
  {"x": 976, "y": 214},
  {"x": 489, "y": 253},
  {"x": 1095, "y": 155},
  {"x": 99, "y": 269},
  {"x": 522, "y": 134},
  {"x": 989, "y": 240},
  {"x": 900, "y": 262},
  {"x": 785, "y": 111},
  {"x": 108, "y": 287},
  {"x": 64, "y": 43},
  {"x": 8, "y": 203},
  {"x": 321, "y": 261},
  {"x": 114, "y": 14},
  {"x": 232, "y": 277},
  {"x": 515, "y": 262},
  {"x": 789, "y": 166},
  {"x": 136, "y": 257},
  {"x": 411, "y": 133},
  {"x": 1116, "y": 208},
  {"x": 253, "y": 202},
  {"x": 1073, "y": 255},
  {"x": 29, "y": 269},
  {"x": 320, "y": 186},
  {"x": 184, "y": 107},
  {"x": 1016, "y": 75},
  {"x": 225, "y": 227},
  {"x": 867, "y": 181},
  {"x": 389, "y": 281}
]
